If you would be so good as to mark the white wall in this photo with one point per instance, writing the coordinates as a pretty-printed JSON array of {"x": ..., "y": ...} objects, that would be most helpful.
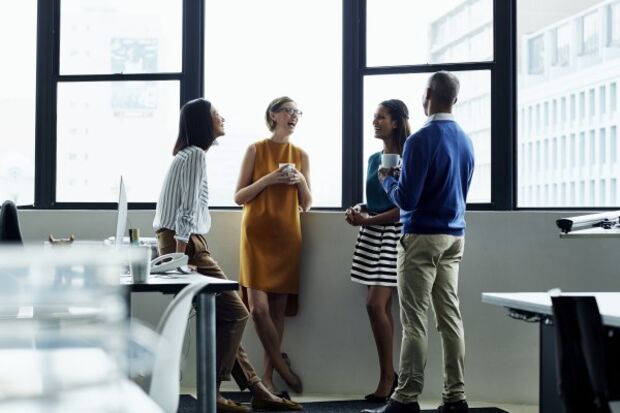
[{"x": 330, "y": 342}]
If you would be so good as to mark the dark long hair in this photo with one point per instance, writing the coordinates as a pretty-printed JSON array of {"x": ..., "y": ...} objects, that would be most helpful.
[
  {"x": 195, "y": 126},
  {"x": 400, "y": 114}
]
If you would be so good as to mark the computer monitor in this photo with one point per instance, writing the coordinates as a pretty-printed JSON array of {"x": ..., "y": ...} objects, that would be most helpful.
[{"x": 121, "y": 217}]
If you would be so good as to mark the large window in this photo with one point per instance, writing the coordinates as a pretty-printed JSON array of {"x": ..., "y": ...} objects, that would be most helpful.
[
  {"x": 120, "y": 36},
  {"x": 17, "y": 101},
  {"x": 589, "y": 154},
  {"x": 472, "y": 111},
  {"x": 111, "y": 76},
  {"x": 400, "y": 32},
  {"x": 132, "y": 123},
  {"x": 108, "y": 124},
  {"x": 455, "y": 32},
  {"x": 285, "y": 52}
]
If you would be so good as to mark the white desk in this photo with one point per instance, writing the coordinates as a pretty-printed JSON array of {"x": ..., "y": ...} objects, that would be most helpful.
[
  {"x": 67, "y": 380},
  {"x": 538, "y": 306},
  {"x": 540, "y": 303},
  {"x": 592, "y": 233}
]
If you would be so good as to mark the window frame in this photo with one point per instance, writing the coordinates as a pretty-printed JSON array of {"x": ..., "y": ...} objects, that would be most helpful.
[
  {"x": 354, "y": 69},
  {"x": 503, "y": 100},
  {"x": 48, "y": 78}
]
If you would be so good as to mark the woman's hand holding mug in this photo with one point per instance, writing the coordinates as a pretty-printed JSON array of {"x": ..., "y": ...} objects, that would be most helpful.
[{"x": 279, "y": 176}]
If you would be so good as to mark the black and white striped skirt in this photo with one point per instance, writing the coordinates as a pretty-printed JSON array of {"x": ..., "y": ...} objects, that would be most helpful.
[{"x": 374, "y": 258}]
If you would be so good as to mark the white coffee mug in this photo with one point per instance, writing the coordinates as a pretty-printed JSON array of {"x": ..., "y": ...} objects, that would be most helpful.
[
  {"x": 140, "y": 263},
  {"x": 390, "y": 160},
  {"x": 289, "y": 166}
]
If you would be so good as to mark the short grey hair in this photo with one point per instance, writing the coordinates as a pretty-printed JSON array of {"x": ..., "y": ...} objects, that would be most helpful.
[{"x": 444, "y": 87}]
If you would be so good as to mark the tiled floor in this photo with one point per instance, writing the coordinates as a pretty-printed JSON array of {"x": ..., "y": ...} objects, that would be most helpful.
[{"x": 511, "y": 408}]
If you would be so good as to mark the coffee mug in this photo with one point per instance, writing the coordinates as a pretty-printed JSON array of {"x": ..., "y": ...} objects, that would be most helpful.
[
  {"x": 140, "y": 263},
  {"x": 390, "y": 160},
  {"x": 289, "y": 166}
]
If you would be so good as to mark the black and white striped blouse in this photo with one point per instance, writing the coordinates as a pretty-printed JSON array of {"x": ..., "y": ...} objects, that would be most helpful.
[{"x": 183, "y": 204}]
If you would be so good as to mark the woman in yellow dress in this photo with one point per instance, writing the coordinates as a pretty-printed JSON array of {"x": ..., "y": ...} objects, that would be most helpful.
[{"x": 273, "y": 188}]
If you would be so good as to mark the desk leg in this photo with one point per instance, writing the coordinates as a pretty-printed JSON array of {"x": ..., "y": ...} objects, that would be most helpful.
[
  {"x": 205, "y": 353},
  {"x": 550, "y": 401}
]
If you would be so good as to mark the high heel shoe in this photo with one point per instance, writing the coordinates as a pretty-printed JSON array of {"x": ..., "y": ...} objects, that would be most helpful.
[
  {"x": 394, "y": 383},
  {"x": 296, "y": 384},
  {"x": 373, "y": 398}
]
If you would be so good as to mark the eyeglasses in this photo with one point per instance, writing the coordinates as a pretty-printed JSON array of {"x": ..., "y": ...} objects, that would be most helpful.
[{"x": 291, "y": 111}]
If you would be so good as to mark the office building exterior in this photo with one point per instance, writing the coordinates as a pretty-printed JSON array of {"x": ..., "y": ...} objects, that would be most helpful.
[
  {"x": 466, "y": 33},
  {"x": 567, "y": 111}
]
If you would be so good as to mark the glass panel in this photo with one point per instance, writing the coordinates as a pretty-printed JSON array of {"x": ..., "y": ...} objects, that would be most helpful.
[
  {"x": 17, "y": 101},
  {"x": 562, "y": 45},
  {"x": 109, "y": 129},
  {"x": 589, "y": 35},
  {"x": 402, "y": 32},
  {"x": 472, "y": 111},
  {"x": 284, "y": 55},
  {"x": 536, "y": 49},
  {"x": 613, "y": 24},
  {"x": 118, "y": 36},
  {"x": 579, "y": 85}
]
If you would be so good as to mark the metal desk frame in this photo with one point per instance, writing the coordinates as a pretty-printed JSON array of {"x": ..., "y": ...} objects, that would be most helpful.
[{"x": 205, "y": 325}]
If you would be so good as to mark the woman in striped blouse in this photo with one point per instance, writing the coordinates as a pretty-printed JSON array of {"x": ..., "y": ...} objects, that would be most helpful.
[
  {"x": 181, "y": 223},
  {"x": 374, "y": 258}
]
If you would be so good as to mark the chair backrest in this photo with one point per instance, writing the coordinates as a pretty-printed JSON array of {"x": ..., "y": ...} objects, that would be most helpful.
[
  {"x": 581, "y": 359},
  {"x": 9, "y": 224},
  {"x": 164, "y": 382}
]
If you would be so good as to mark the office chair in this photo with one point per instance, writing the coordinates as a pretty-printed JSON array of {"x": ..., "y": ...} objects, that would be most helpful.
[
  {"x": 9, "y": 224},
  {"x": 163, "y": 386},
  {"x": 582, "y": 362}
]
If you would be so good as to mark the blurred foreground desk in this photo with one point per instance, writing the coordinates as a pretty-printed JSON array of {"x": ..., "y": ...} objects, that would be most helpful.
[
  {"x": 172, "y": 283},
  {"x": 67, "y": 380},
  {"x": 537, "y": 307}
]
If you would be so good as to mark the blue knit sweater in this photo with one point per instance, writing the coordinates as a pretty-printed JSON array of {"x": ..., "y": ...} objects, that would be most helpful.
[{"x": 437, "y": 167}]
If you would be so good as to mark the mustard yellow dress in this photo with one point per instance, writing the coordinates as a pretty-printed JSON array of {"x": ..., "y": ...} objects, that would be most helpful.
[{"x": 271, "y": 229}]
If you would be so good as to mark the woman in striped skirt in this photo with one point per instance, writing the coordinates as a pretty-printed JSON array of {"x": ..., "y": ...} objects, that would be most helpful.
[{"x": 374, "y": 258}]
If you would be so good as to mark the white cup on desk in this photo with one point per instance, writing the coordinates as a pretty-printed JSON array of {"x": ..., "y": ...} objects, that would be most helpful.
[{"x": 140, "y": 263}]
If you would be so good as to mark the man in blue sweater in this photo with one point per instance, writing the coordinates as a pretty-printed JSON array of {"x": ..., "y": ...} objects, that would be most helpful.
[{"x": 437, "y": 168}]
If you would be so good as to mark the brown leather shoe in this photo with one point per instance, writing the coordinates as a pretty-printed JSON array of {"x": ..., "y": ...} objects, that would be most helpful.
[
  {"x": 231, "y": 406},
  {"x": 264, "y": 405}
]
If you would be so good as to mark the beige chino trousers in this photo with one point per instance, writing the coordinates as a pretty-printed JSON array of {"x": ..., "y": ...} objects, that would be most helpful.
[{"x": 428, "y": 272}]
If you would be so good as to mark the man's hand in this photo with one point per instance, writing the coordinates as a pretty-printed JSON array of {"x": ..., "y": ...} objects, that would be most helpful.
[{"x": 385, "y": 172}]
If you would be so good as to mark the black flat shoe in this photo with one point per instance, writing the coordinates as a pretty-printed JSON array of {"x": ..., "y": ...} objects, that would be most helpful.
[
  {"x": 454, "y": 407},
  {"x": 392, "y": 406}
]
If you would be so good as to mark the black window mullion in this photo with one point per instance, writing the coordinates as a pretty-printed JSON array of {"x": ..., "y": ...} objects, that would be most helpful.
[
  {"x": 427, "y": 68},
  {"x": 192, "y": 85},
  {"x": 353, "y": 60},
  {"x": 503, "y": 98},
  {"x": 48, "y": 16},
  {"x": 121, "y": 77}
]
